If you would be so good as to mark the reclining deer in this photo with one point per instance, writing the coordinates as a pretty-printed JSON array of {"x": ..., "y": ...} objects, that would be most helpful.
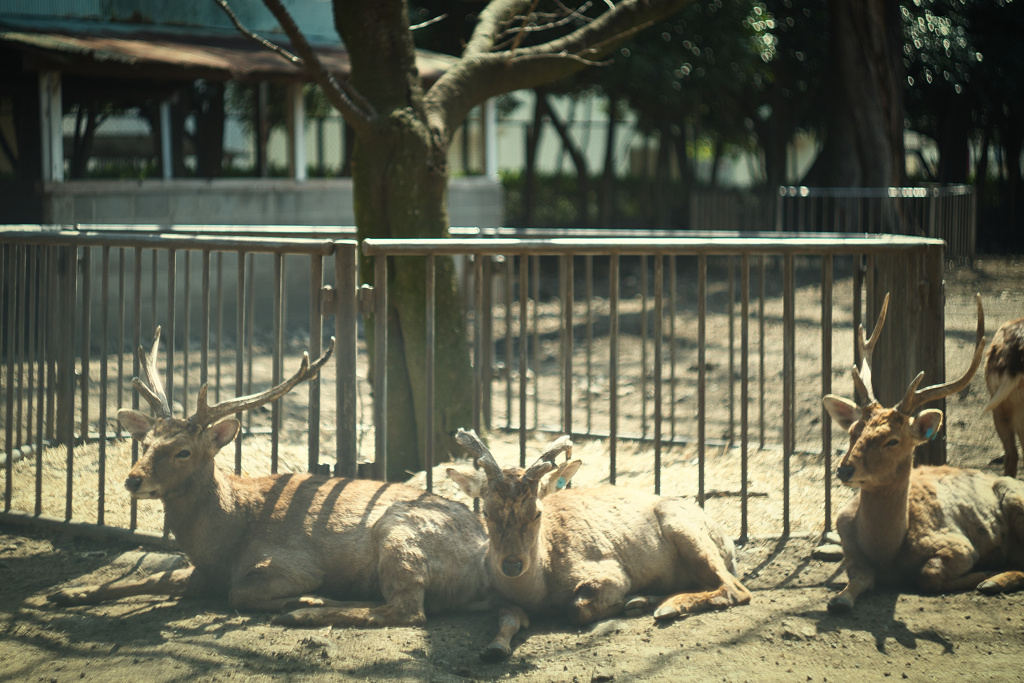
[
  {"x": 1004, "y": 375},
  {"x": 268, "y": 543},
  {"x": 596, "y": 553},
  {"x": 947, "y": 528}
]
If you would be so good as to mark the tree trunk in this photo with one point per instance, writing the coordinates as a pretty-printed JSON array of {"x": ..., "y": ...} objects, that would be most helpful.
[
  {"x": 578, "y": 160},
  {"x": 606, "y": 201},
  {"x": 864, "y": 140},
  {"x": 400, "y": 186}
]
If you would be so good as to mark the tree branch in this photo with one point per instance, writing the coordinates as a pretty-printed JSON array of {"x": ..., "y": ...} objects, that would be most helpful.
[
  {"x": 483, "y": 72},
  {"x": 352, "y": 106}
]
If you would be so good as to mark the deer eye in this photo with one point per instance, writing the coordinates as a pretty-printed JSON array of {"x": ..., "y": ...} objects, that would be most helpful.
[
  {"x": 536, "y": 516},
  {"x": 181, "y": 455},
  {"x": 892, "y": 442}
]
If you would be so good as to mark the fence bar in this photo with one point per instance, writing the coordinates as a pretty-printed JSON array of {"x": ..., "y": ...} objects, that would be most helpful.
[
  {"x": 345, "y": 329},
  {"x": 277, "y": 372},
  {"x": 523, "y": 368},
  {"x": 643, "y": 346},
  {"x": 186, "y": 337},
  {"x": 613, "y": 364},
  {"x": 479, "y": 382},
  {"x": 104, "y": 348},
  {"x": 316, "y": 343},
  {"x": 744, "y": 389},
  {"x": 659, "y": 320},
  {"x": 588, "y": 276},
  {"x": 86, "y": 337},
  {"x": 380, "y": 366},
  {"x": 136, "y": 367},
  {"x": 702, "y": 372},
  {"x": 8, "y": 338},
  {"x": 788, "y": 383},
  {"x": 826, "y": 381},
  {"x": 239, "y": 345},
  {"x": 428, "y": 419},
  {"x": 567, "y": 347}
]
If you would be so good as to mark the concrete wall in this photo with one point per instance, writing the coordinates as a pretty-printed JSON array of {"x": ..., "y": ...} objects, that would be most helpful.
[{"x": 473, "y": 201}]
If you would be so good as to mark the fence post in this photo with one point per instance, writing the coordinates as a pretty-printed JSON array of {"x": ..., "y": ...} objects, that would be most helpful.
[
  {"x": 932, "y": 322},
  {"x": 914, "y": 335}
]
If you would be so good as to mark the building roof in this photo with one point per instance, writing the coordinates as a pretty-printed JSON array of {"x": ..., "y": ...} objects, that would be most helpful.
[{"x": 147, "y": 51}]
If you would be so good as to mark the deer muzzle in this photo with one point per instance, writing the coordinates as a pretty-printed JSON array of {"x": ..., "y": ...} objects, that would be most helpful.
[
  {"x": 512, "y": 568},
  {"x": 845, "y": 473}
]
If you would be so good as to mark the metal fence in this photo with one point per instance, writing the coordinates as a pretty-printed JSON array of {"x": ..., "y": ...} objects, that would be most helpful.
[
  {"x": 944, "y": 212},
  {"x": 687, "y": 353},
  {"x": 236, "y": 312},
  {"x": 721, "y": 341}
]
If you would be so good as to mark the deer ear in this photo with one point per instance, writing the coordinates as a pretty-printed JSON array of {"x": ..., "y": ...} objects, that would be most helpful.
[
  {"x": 472, "y": 485},
  {"x": 137, "y": 424},
  {"x": 927, "y": 424},
  {"x": 224, "y": 432},
  {"x": 844, "y": 411},
  {"x": 557, "y": 479}
]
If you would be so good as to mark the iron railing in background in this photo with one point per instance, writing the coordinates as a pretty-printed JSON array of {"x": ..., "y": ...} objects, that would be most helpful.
[{"x": 946, "y": 212}]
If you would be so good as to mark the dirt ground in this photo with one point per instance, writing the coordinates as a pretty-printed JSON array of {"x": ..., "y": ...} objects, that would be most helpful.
[{"x": 785, "y": 634}]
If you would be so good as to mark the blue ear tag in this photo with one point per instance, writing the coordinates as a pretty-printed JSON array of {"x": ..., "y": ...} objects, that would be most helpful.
[
  {"x": 930, "y": 434},
  {"x": 560, "y": 484}
]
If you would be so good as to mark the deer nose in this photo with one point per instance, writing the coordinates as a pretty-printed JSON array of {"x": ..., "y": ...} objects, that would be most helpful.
[
  {"x": 512, "y": 568},
  {"x": 133, "y": 484},
  {"x": 845, "y": 473}
]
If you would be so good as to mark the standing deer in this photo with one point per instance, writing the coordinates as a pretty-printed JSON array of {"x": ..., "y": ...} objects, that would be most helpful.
[
  {"x": 1004, "y": 375},
  {"x": 946, "y": 528},
  {"x": 268, "y": 543},
  {"x": 596, "y": 553}
]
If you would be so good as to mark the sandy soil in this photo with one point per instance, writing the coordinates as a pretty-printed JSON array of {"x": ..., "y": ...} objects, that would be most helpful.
[{"x": 785, "y": 634}]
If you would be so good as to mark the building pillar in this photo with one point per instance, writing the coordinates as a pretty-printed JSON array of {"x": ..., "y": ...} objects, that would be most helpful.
[
  {"x": 297, "y": 132},
  {"x": 51, "y": 124}
]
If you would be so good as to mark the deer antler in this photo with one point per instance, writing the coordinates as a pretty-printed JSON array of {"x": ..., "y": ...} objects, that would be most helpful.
[
  {"x": 562, "y": 444},
  {"x": 154, "y": 393},
  {"x": 207, "y": 415},
  {"x": 915, "y": 398},
  {"x": 862, "y": 377},
  {"x": 472, "y": 443}
]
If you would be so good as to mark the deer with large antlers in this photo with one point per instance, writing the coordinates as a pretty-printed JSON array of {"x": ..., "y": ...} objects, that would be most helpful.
[
  {"x": 271, "y": 543},
  {"x": 946, "y": 528},
  {"x": 595, "y": 553},
  {"x": 1004, "y": 375}
]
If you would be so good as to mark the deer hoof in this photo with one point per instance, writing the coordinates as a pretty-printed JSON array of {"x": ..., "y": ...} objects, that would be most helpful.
[
  {"x": 667, "y": 611},
  {"x": 495, "y": 652},
  {"x": 637, "y": 606},
  {"x": 990, "y": 587},
  {"x": 840, "y": 605}
]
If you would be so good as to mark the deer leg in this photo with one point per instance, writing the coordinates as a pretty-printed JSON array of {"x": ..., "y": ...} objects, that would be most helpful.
[
  {"x": 170, "y": 583},
  {"x": 396, "y": 612},
  {"x": 704, "y": 558},
  {"x": 1007, "y": 582},
  {"x": 949, "y": 567},
  {"x": 1003, "y": 416},
  {"x": 511, "y": 618},
  {"x": 599, "y": 597}
]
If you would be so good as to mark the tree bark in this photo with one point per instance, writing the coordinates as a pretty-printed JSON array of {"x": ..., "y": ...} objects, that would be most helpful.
[{"x": 864, "y": 141}]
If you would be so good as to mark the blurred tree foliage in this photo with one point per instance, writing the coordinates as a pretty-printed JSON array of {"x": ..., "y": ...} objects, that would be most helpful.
[{"x": 722, "y": 77}]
